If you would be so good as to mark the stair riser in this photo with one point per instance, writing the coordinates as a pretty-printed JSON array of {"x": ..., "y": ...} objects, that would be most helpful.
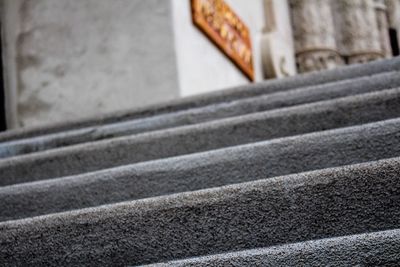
[
  {"x": 203, "y": 170},
  {"x": 208, "y": 113},
  {"x": 290, "y": 209},
  {"x": 349, "y": 72},
  {"x": 374, "y": 249},
  {"x": 202, "y": 137}
]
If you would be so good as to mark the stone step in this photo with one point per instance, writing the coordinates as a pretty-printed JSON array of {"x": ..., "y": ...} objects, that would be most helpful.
[
  {"x": 250, "y": 128},
  {"x": 207, "y": 113},
  {"x": 370, "y": 249},
  {"x": 348, "y": 72},
  {"x": 244, "y": 163},
  {"x": 321, "y": 204}
]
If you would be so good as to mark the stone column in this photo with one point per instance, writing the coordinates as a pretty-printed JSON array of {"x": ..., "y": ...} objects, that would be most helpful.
[
  {"x": 383, "y": 27},
  {"x": 357, "y": 30},
  {"x": 314, "y": 35},
  {"x": 393, "y": 11}
]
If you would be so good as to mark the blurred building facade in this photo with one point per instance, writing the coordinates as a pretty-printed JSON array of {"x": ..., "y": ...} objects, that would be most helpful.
[{"x": 68, "y": 59}]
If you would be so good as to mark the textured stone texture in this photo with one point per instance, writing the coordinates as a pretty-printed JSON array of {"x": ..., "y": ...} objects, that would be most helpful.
[
  {"x": 314, "y": 35},
  {"x": 382, "y": 16},
  {"x": 202, "y": 137},
  {"x": 288, "y": 196},
  {"x": 313, "y": 24},
  {"x": 202, "y": 114},
  {"x": 372, "y": 249},
  {"x": 334, "y": 202},
  {"x": 357, "y": 30},
  {"x": 215, "y": 97},
  {"x": 203, "y": 170}
]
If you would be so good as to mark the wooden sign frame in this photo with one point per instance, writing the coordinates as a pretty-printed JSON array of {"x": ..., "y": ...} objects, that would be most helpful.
[{"x": 225, "y": 29}]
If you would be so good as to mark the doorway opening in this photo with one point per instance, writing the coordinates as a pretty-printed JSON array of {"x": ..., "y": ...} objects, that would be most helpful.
[{"x": 394, "y": 41}]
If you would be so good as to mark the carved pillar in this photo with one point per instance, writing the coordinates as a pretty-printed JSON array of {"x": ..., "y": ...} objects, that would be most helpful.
[
  {"x": 314, "y": 35},
  {"x": 357, "y": 30},
  {"x": 383, "y": 27}
]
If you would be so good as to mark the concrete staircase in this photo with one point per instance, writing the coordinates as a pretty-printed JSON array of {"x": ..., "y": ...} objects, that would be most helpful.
[{"x": 302, "y": 171}]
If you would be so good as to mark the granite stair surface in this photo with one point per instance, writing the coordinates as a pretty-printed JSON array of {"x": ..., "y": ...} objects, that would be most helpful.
[
  {"x": 299, "y": 81},
  {"x": 242, "y": 106},
  {"x": 372, "y": 249},
  {"x": 303, "y": 171}
]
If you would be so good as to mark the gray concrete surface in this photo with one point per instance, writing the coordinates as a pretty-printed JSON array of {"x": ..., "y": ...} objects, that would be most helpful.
[
  {"x": 207, "y": 113},
  {"x": 322, "y": 204},
  {"x": 201, "y": 137},
  {"x": 71, "y": 59},
  {"x": 348, "y": 72},
  {"x": 371, "y": 249},
  {"x": 203, "y": 170},
  {"x": 274, "y": 211},
  {"x": 83, "y": 58}
]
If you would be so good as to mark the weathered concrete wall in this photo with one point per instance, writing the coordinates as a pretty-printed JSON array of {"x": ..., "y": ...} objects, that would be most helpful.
[
  {"x": 81, "y": 58},
  {"x": 202, "y": 67},
  {"x": 69, "y": 59}
]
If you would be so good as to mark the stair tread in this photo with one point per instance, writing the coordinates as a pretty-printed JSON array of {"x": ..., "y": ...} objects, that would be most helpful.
[
  {"x": 320, "y": 204},
  {"x": 208, "y": 113},
  {"x": 220, "y": 167},
  {"x": 255, "y": 127},
  {"x": 347, "y": 72},
  {"x": 369, "y": 249},
  {"x": 299, "y": 171}
]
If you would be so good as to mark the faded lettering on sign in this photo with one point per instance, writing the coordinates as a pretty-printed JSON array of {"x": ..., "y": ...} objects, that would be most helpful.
[{"x": 218, "y": 21}]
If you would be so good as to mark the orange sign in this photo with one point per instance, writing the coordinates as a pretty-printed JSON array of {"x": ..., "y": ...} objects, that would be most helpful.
[{"x": 217, "y": 20}]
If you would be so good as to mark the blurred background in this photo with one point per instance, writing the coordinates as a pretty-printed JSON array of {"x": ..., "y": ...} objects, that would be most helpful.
[{"x": 69, "y": 59}]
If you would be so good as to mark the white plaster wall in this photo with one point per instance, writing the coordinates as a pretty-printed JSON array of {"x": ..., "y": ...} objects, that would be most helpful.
[
  {"x": 89, "y": 57},
  {"x": 202, "y": 66}
]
